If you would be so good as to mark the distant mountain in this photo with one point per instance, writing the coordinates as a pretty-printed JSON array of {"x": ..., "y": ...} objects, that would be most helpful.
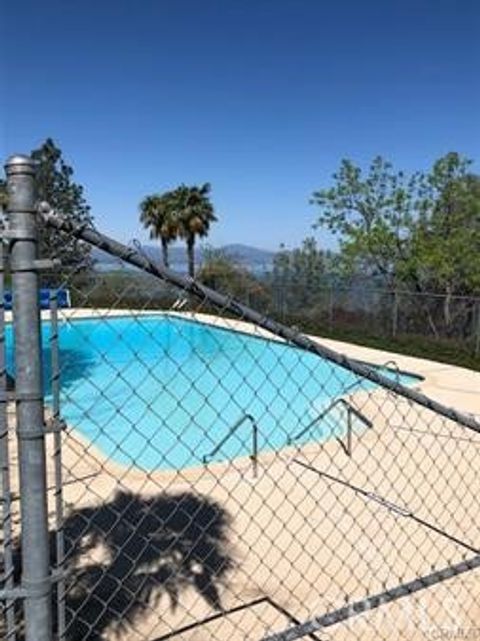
[
  {"x": 247, "y": 255},
  {"x": 251, "y": 258}
]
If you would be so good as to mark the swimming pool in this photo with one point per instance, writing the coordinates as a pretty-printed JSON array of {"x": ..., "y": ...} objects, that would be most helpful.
[{"x": 160, "y": 391}]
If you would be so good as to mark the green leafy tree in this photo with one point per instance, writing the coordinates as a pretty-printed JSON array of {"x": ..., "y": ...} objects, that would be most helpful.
[
  {"x": 372, "y": 214},
  {"x": 55, "y": 184},
  {"x": 445, "y": 241},
  {"x": 158, "y": 215},
  {"x": 446, "y": 237},
  {"x": 222, "y": 273},
  {"x": 299, "y": 274},
  {"x": 419, "y": 232}
]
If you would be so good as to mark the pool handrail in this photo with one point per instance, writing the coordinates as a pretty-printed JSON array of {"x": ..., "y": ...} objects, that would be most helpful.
[
  {"x": 351, "y": 409},
  {"x": 253, "y": 456},
  {"x": 392, "y": 365}
]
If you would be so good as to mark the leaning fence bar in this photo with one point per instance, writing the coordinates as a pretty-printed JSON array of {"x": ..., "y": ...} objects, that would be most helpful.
[
  {"x": 375, "y": 601},
  {"x": 35, "y": 586},
  {"x": 140, "y": 260}
]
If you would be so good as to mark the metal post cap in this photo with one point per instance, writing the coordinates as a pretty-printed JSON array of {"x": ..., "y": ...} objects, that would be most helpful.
[{"x": 20, "y": 164}]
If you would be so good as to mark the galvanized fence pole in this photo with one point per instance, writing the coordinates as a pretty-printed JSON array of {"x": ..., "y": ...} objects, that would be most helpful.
[
  {"x": 477, "y": 329},
  {"x": 395, "y": 314},
  {"x": 58, "y": 465},
  {"x": 22, "y": 232},
  {"x": 331, "y": 307}
]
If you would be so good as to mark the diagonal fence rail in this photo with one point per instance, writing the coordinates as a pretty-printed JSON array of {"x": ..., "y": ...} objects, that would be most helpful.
[
  {"x": 300, "y": 631},
  {"x": 225, "y": 303}
]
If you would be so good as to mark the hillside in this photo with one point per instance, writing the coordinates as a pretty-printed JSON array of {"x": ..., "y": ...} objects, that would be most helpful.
[{"x": 252, "y": 258}]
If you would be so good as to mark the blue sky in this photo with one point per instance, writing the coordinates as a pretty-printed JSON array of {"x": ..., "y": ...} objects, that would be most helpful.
[{"x": 260, "y": 97}]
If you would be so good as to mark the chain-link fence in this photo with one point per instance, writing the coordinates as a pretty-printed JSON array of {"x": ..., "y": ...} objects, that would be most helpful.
[
  {"x": 427, "y": 320},
  {"x": 388, "y": 313},
  {"x": 179, "y": 465}
]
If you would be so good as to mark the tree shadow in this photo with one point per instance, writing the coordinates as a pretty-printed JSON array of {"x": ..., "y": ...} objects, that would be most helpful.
[
  {"x": 124, "y": 556},
  {"x": 75, "y": 365}
]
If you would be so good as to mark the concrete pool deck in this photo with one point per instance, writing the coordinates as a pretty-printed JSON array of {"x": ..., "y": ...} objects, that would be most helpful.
[{"x": 309, "y": 544}]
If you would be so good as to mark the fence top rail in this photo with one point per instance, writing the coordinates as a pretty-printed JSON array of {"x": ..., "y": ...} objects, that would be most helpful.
[
  {"x": 386, "y": 291},
  {"x": 135, "y": 257}
]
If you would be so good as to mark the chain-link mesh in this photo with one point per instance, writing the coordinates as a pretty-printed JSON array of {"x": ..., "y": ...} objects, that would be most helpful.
[
  {"x": 226, "y": 477},
  {"x": 419, "y": 322}
]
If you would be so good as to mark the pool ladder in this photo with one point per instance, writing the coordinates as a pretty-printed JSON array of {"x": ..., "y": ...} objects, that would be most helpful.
[
  {"x": 254, "y": 453},
  {"x": 351, "y": 411}
]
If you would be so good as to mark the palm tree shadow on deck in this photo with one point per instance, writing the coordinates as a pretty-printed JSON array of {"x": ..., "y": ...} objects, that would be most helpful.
[{"x": 124, "y": 556}]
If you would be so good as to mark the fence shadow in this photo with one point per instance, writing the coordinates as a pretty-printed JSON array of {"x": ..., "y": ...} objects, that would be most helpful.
[
  {"x": 76, "y": 365},
  {"x": 123, "y": 556}
]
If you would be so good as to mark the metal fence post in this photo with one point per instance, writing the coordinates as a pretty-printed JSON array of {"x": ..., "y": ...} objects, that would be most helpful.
[
  {"x": 22, "y": 232},
  {"x": 331, "y": 307},
  {"x": 477, "y": 330},
  {"x": 395, "y": 314}
]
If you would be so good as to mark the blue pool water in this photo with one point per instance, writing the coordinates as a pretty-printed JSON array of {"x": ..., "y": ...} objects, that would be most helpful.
[{"x": 160, "y": 392}]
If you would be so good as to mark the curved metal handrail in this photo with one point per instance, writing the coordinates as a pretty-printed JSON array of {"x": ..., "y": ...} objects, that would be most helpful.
[
  {"x": 351, "y": 410},
  {"x": 390, "y": 365},
  {"x": 395, "y": 368},
  {"x": 253, "y": 456}
]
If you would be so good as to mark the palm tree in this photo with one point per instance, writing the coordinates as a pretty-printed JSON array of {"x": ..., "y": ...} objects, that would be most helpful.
[
  {"x": 157, "y": 215},
  {"x": 194, "y": 212}
]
